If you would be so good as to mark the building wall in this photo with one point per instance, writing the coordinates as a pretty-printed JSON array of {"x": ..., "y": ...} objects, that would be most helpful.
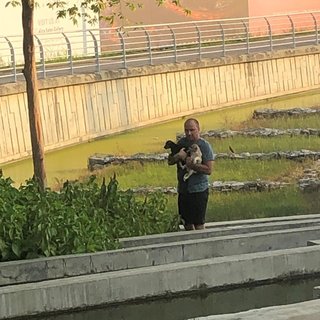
[
  {"x": 151, "y": 13},
  {"x": 44, "y": 20},
  {"x": 272, "y": 7},
  {"x": 79, "y": 108}
]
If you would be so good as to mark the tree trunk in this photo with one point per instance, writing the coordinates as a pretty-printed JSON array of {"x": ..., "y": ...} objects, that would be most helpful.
[{"x": 30, "y": 74}]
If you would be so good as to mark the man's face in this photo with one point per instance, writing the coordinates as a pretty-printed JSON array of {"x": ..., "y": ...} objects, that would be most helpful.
[{"x": 191, "y": 131}]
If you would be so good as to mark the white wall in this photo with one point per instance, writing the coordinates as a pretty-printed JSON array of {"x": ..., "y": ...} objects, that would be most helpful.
[
  {"x": 45, "y": 23},
  {"x": 45, "y": 20}
]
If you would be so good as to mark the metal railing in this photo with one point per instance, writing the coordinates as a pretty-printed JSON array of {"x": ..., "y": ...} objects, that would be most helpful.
[{"x": 95, "y": 50}]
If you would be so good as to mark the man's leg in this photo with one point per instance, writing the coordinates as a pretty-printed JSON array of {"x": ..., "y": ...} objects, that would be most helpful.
[
  {"x": 184, "y": 211},
  {"x": 200, "y": 202},
  {"x": 199, "y": 226},
  {"x": 189, "y": 227}
]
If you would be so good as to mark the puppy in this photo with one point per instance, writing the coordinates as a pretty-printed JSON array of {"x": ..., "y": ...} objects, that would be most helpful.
[
  {"x": 195, "y": 154},
  {"x": 174, "y": 148}
]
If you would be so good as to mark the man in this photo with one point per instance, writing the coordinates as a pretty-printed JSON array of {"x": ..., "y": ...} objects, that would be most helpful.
[{"x": 193, "y": 193}]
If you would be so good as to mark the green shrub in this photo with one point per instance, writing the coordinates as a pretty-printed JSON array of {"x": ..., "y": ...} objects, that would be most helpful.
[{"x": 81, "y": 217}]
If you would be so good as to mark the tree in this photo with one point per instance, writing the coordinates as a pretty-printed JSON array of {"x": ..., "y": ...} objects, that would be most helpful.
[{"x": 93, "y": 11}]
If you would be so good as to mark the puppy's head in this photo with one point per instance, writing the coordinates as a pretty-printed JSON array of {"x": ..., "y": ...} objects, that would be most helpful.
[
  {"x": 169, "y": 144},
  {"x": 194, "y": 148}
]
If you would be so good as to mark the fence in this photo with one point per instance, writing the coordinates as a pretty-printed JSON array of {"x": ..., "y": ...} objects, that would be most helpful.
[{"x": 95, "y": 50}]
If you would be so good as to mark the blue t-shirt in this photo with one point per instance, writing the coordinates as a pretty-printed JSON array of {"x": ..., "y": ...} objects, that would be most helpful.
[{"x": 197, "y": 182}]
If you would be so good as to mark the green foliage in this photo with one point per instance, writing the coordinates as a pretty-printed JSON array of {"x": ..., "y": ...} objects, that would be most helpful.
[{"x": 81, "y": 217}]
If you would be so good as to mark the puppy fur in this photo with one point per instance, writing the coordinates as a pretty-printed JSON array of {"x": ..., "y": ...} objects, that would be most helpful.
[{"x": 196, "y": 156}]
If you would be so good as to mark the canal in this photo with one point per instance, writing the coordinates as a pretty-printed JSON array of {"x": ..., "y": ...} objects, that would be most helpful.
[
  {"x": 202, "y": 303},
  {"x": 71, "y": 163}
]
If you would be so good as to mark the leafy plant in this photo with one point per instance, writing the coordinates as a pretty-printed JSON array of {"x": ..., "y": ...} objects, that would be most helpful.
[{"x": 81, "y": 217}]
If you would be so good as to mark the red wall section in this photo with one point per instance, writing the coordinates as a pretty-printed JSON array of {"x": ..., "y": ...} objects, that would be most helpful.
[
  {"x": 270, "y": 7},
  {"x": 279, "y": 25},
  {"x": 151, "y": 13}
]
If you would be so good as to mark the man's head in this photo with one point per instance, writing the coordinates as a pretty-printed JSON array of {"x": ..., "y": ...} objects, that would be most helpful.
[{"x": 192, "y": 129}]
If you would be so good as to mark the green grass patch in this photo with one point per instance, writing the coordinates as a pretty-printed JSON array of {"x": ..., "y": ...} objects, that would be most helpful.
[
  {"x": 265, "y": 144},
  {"x": 306, "y": 121},
  {"x": 252, "y": 205},
  {"x": 159, "y": 174}
]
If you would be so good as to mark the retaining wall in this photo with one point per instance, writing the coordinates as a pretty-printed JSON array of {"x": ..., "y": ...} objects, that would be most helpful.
[{"x": 83, "y": 107}]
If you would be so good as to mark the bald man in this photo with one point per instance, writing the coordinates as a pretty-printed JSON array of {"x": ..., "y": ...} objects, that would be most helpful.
[{"x": 193, "y": 193}]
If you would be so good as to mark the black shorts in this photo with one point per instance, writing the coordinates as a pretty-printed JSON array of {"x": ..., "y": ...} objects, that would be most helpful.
[{"x": 193, "y": 207}]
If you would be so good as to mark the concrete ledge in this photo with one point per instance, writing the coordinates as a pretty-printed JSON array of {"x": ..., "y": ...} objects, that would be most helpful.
[
  {"x": 35, "y": 270},
  {"x": 316, "y": 293},
  {"x": 115, "y": 287},
  {"x": 217, "y": 229},
  {"x": 313, "y": 242},
  {"x": 262, "y": 220},
  {"x": 309, "y": 310}
]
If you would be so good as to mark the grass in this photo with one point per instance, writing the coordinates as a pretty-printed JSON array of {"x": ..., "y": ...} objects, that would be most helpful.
[
  {"x": 266, "y": 144},
  {"x": 308, "y": 121},
  {"x": 159, "y": 174},
  {"x": 240, "y": 205},
  {"x": 252, "y": 205}
]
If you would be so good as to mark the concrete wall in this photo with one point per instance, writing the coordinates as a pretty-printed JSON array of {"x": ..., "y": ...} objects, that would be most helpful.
[{"x": 80, "y": 108}]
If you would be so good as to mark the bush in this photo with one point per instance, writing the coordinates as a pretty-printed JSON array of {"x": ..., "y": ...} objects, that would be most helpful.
[{"x": 81, "y": 217}]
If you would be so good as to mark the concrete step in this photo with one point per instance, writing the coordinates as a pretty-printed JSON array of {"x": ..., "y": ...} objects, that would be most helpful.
[
  {"x": 125, "y": 285},
  {"x": 222, "y": 229},
  {"x": 152, "y": 255}
]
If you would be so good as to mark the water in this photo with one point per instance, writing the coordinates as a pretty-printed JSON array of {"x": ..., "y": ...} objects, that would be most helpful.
[{"x": 202, "y": 303}]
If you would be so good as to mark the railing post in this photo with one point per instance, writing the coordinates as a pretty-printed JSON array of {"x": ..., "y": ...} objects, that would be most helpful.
[
  {"x": 13, "y": 59},
  {"x": 174, "y": 44},
  {"x": 96, "y": 51},
  {"x": 199, "y": 40},
  {"x": 223, "y": 40},
  {"x": 315, "y": 28},
  {"x": 42, "y": 57},
  {"x": 69, "y": 51},
  {"x": 293, "y": 32},
  {"x": 247, "y": 36},
  {"x": 270, "y": 33},
  {"x": 149, "y": 45},
  {"x": 123, "y": 49}
]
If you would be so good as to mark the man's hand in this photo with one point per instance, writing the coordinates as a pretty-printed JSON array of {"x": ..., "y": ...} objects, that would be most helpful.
[{"x": 182, "y": 155}]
